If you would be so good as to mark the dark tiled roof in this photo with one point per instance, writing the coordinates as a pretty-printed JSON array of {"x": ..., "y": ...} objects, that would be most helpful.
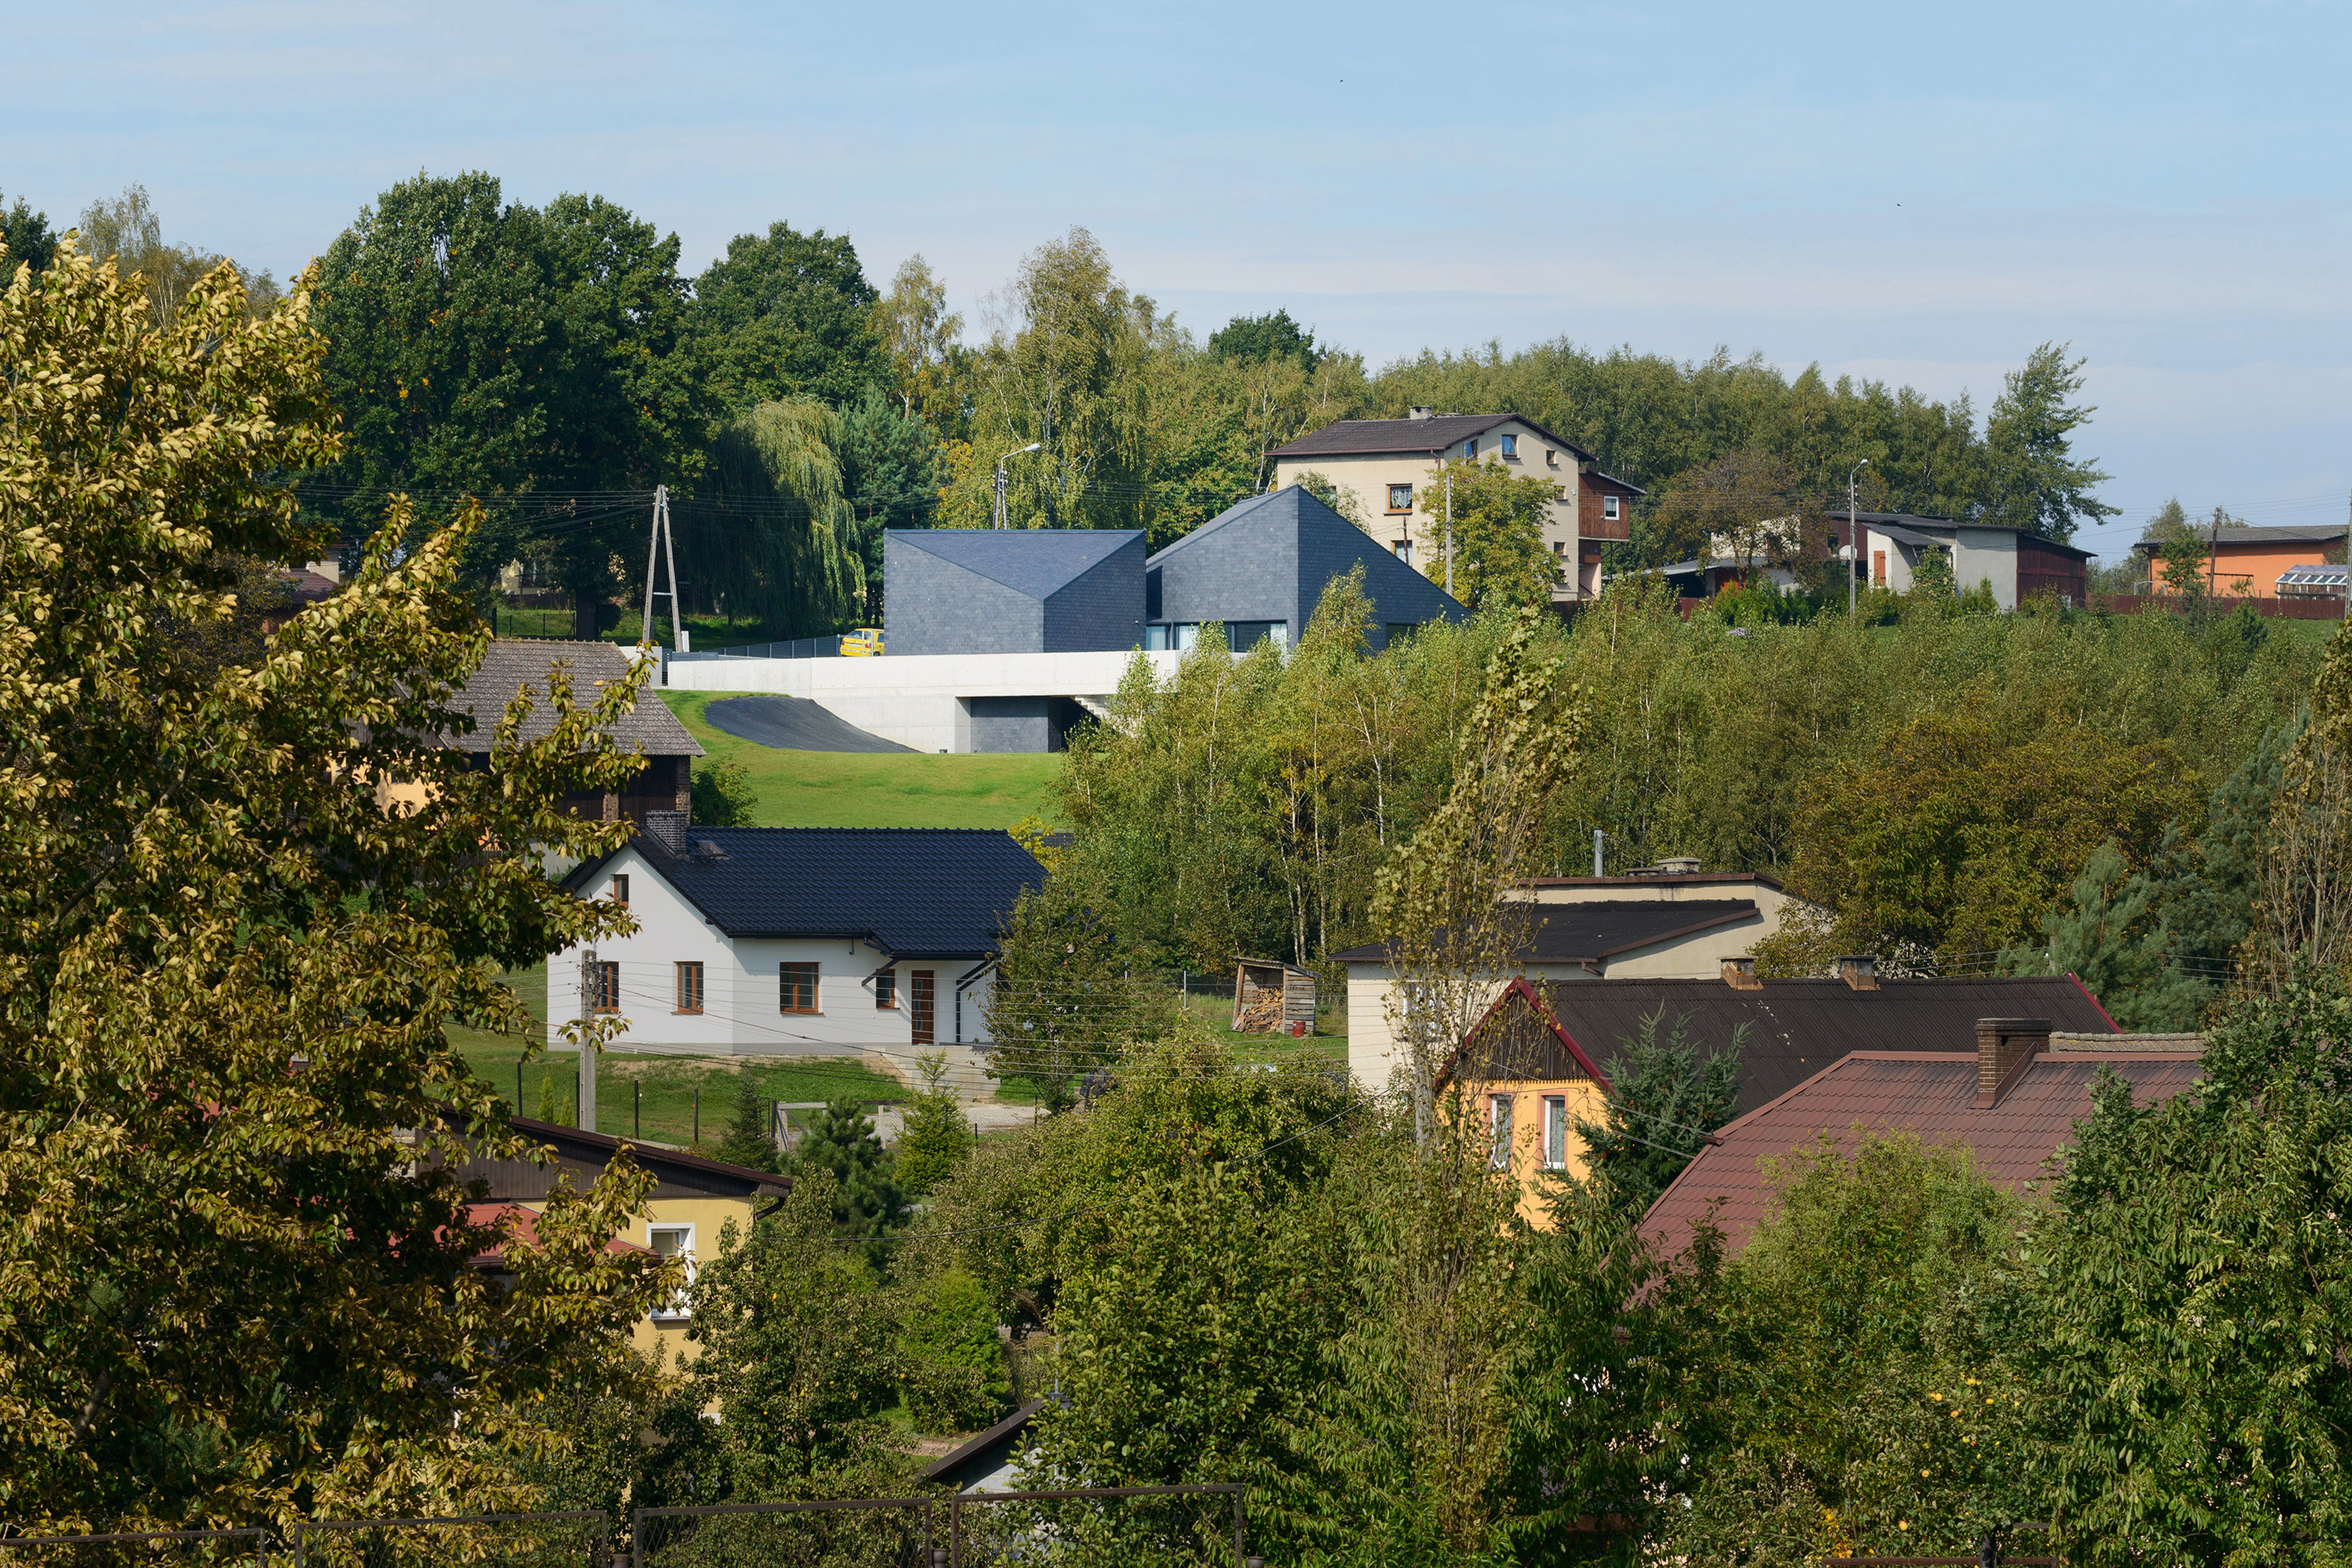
[
  {"x": 1933, "y": 1096},
  {"x": 2282, "y": 534},
  {"x": 1594, "y": 931},
  {"x": 514, "y": 663},
  {"x": 584, "y": 1154},
  {"x": 985, "y": 1452},
  {"x": 1661, "y": 880},
  {"x": 1796, "y": 1027},
  {"x": 1038, "y": 562},
  {"x": 937, "y": 891},
  {"x": 1905, "y": 526},
  {"x": 1369, "y": 438}
]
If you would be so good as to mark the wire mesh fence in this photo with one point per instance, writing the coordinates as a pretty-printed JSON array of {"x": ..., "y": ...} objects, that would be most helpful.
[
  {"x": 570, "y": 1540},
  {"x": 1181, "y": 1527},
  {"x": 152, "y": 1548}
]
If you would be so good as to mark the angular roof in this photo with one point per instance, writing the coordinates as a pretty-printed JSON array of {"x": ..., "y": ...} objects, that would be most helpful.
[
  {"x": 512, "y": 663},
  {"x": 1906, "y": 528},
  {"x": 937, "y": 891},
  {"x": 1597, "y": 931},
  {"x": 582, "y": 1154},
  {"x": 1371, "y": 437},
  {"x": 1795, "y": 1027},
  {"x": 1038, "y": 562},
  {"x": 1932, "y": 1095},
  {"x": 1271, "y": 556},
  {"x": 984, "y": 1454}
]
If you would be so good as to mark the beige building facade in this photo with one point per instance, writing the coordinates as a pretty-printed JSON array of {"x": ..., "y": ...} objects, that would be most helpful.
[{"x": 1384, "y": 467}]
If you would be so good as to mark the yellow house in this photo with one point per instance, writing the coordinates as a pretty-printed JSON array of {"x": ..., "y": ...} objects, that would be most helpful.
[
  {"x": 1528, "y": 1084},
  {"x": 693, "y": 1202}
]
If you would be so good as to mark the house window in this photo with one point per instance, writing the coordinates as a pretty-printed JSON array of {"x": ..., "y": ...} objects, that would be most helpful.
[
  {"x": 621, "y": 890},
  {"x": 1470, "y": 448},
  {"x": 885, "y": 988},
  {"x": 1555, "y": 1132},
  {"x": 1609, "y": 505},
  {"x": 1400, "y": 498},
  {"x": 1498, "y": 1113},
  {"x": 919, "y": 1012},
  {"x": 797, "y": 987},
  {"x": 673, "y": 1241},
  {"x": 1878, "y": 567},
  {"x": 1510, "y": 449},
  {"x": 608, "y": 987},
  {"x": 690, "y": 987},
  {"x": 1551, "y": 458},
  {"x": 1403, "y": 548}
]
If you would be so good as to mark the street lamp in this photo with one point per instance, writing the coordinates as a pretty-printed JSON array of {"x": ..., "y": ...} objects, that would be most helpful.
[
  {"x": 1008, "y": 456},
  {"x": 1853, "y": 540}
]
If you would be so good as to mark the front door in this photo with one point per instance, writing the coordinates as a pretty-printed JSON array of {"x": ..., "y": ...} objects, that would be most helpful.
[{"x": 919, "y": 1005}]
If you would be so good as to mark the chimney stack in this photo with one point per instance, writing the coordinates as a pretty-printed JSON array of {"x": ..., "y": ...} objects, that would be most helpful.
[
  {"x": 1420, "y": 412},
  {"x": 1739, "y": 973},
  {"x": 2005, "y": 1047},
  {"x": 667, "y": 828},
  {"x": 1859, "y": 970}
]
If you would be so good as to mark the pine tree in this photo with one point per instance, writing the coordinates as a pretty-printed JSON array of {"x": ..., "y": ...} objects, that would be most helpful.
[
  {"x": 866, "y": 1199},
  {"x": 749, "y": 1143},
  {"x": 937, "y": 1136},
  {"x": 1662, "y": 1098}
]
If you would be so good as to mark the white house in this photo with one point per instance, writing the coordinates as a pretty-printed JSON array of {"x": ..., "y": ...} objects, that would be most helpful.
[
  {"x": 1671, "y": 923},
  {"x": 795, "y": 940}
]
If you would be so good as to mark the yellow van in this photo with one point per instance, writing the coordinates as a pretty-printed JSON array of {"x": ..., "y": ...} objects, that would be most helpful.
[{"x": 864, "y": 641}]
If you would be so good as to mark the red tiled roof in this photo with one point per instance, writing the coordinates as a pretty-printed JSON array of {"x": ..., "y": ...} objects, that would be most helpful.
[
  {"x": 1932, "y": 1095},
  {"x": 519, "y": 1228}
]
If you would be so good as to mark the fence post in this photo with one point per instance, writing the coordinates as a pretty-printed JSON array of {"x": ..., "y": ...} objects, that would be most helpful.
[
  {"x": 638, "y": 1539},
  {"x": 1239, "y": 1561},
  {"x": 1989, "y": 1551}
]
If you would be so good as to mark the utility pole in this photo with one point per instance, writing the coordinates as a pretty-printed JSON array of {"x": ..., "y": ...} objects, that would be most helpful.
[
  {"x": 1449, "y": 528},
  {"x": 1596, "y": 852},
  {"x": 1853, "y": 544},
  {"x": 1008, "y": 456},
  {"x": 658, "y": 545}
]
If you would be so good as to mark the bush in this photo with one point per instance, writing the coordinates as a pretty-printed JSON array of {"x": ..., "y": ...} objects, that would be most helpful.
[
  {"x": 953, "y": 1368},
  {"x": 722, "y": 796}
]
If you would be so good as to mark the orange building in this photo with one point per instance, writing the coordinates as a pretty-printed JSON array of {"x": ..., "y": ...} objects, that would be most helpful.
[{"x": 2250, "y": 560}]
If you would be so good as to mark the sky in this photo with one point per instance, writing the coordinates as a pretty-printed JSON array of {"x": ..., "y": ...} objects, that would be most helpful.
[{"x": 1920, "y": 195}]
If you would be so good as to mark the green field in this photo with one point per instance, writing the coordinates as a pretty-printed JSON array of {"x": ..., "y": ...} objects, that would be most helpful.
[{"x": 879, "y": 789}]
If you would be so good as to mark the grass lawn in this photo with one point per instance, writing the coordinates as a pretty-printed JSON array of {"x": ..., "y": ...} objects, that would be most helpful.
[{"x": 889, "y": 789}]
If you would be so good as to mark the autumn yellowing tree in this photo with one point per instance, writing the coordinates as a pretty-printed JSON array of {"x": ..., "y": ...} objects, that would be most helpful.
[{"x": 234, "y": 1286}]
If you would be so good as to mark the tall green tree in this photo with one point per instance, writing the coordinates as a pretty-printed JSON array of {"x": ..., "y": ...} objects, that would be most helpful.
[
  {"x": 30, "y": 240},
  {"x": 749, "y": 1141},
  {"x": 2032, "y": 479},
  {"x": 240, "y": 1289},
  {"x": 924, "y": 340},
  {"x": 842, "y": 1147},
  {"x": 128, "y": 230},
  {"x": 1662, "y": 1103},
  {"x": 774, "y": 524},
  {"x": 1251, "y": 339},
  {"x": 787, "y": 314}
]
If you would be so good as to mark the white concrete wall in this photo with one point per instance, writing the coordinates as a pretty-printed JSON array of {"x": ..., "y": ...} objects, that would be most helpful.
[
  {"x": 741, "y": 1013},
  {"x": 919, "y": 701},
  {"x": 1987, "y": 555}
]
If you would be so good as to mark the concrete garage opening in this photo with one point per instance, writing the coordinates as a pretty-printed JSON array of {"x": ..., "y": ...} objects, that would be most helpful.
[{"x": 1019, "y": 724}]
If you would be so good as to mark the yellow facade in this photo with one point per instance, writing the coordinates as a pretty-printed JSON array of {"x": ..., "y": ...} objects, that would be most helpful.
[{"x": 1517, "y": 1118}]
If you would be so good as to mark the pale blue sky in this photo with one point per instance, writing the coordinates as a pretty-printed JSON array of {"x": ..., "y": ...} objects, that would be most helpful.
[{"x": 1912, "y": 192}]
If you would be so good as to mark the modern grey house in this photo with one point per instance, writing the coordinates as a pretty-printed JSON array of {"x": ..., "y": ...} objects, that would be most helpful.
[
  {"x": 965, "y": 590},
  {"x": 1260, "y": 566}
]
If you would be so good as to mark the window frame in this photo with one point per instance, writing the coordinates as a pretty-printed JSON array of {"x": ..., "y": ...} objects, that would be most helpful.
[
  {"x": 608, "y": 986},
  {"x": 1499, "y": 1110},
  {"x": 1510, "y": 448},
  {"x": 1403, "y": 550},
  {"x": 680, "y": 1306},
  {"x": 1612, "y": 509},
  {"x": 1552, "y": 457},
  {"x": 619, "y": 890},
  {"x": 787, "y": 981},
  {"x": 885, "y": 988},
  {"x": 923, "y": 1006},
  {"x": 1554, "y": 1131},
  {"x": 1396, "y": 510},
  {"x": 686, "y": 985},
  {"x": 1470, "y": 450}
]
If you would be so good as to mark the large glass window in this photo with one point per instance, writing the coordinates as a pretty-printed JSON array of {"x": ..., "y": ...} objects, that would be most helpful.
[
  {"x": 1555, "y": 1132},
  {"x": 1400, "y": 498},
  {"x": 690, "y": 987},
  {"x": 675, "y": 1241},
  {"x": 1510, "y": 449},
  {"x": 797, "y": 987}
]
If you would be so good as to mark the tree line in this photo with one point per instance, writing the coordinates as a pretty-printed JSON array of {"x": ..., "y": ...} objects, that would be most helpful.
[{"x": 557, "y": 363}]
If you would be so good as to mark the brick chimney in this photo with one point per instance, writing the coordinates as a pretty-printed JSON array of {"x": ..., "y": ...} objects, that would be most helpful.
[
  {"x": 667, "y": 828},
  {"x": 2005, "y": 1049},
  {"x": 1859, "y": 970},
  {"x": 1739, "y": 973}
]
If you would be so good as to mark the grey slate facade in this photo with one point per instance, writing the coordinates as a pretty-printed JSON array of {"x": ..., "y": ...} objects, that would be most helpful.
[
  {"x": 1266, "y": 561},
  {"x": 961, "y": 591}
]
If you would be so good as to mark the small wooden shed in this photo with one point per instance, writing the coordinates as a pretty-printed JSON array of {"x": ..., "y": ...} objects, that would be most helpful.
[{"x": 1271, "y": 997}]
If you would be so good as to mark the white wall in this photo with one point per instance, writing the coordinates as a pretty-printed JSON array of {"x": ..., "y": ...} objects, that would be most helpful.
[
  {"x": 1981, "y": 555},
  {"x": 918, "y": 700}
]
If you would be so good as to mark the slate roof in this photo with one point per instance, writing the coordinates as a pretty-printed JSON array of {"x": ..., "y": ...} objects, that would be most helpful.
[
  {"x": 1595, "y": 931},
  {"x": 1932, "y": 1095},
  {"x": 2281, "y": 533},
  {"x": 1038, "y": 562},
  {"x": 1796, "y": 1027},
  {"x": 513, "y": 663},
  {"x": 936, "y": 891},
  {"x": 584, "y": 1154},
  {"x": 1271, "y": 556},
  {"x": 1369, "y": 438}
]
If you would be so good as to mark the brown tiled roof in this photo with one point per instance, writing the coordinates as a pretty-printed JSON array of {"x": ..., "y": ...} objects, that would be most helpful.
[
  {"x": 1932, "y": 1095},
  {"x": 514, "y": 663},
  {"x": 1796, "y": 1027},
  {"x": 1371, "y": 437}
]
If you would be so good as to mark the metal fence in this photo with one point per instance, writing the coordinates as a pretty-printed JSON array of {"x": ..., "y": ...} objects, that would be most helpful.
[
  {"x": 1078, "y": 1527},
  {"x": 570, "y": 1540},
  {"x": 139, "y": 1549}
]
